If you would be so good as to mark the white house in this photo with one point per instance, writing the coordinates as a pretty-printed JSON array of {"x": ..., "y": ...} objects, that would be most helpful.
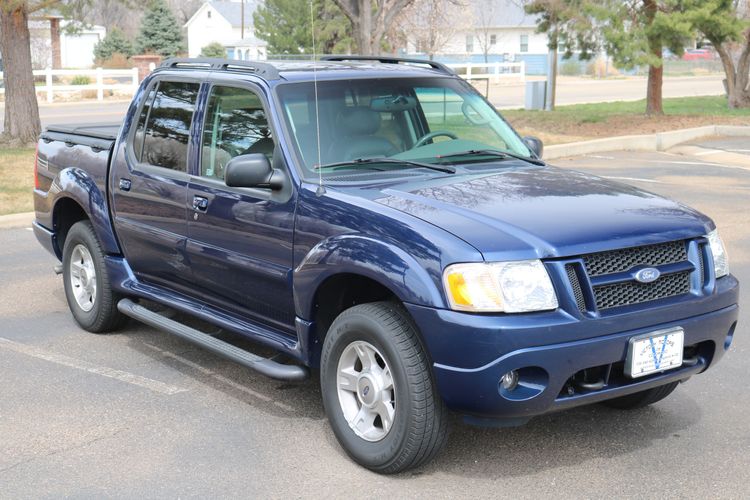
[
  {"x": 222, "y": 22},
  {"x": 499, "y": 30},
  {"x": 76, "y": 42}
]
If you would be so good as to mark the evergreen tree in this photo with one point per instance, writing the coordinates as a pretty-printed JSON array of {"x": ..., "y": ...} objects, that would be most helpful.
[
  {"x": 114, "y": 42},
  {"x": 725, "y": 24},
  {"x": 214, "y": 49},
  {"x": 285, "y": 25},
  {"x": 567, "y": 25},
  {"x": 636, "y": 32},
  {"x": 159, "y": 33}
]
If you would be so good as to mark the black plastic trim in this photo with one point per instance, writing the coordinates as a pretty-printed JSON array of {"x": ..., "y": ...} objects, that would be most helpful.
[{"x": 264, "y": 366}]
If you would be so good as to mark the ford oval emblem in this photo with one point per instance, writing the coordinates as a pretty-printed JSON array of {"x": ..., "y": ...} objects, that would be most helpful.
[{"x": 647, "y": 275}]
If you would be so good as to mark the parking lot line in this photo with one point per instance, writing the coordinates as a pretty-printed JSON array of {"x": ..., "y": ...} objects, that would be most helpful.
[{"x": 130, "y": 378}]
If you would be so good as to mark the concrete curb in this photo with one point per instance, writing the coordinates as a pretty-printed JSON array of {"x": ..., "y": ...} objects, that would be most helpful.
[
  {"x": 650, "y": 142},
  {"x": 16, "y": 220}
]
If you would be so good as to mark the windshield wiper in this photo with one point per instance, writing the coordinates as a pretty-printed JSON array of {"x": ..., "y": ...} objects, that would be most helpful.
[
  {"x": 495, "y": 153},
  {"x": 367, "y": 161}
]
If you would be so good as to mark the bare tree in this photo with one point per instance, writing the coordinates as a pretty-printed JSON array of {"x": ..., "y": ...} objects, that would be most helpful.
[
  {"x": 371, "y": 20},
  {"x": 430, "y": 24},
  {"x": 485, "y": 12}
]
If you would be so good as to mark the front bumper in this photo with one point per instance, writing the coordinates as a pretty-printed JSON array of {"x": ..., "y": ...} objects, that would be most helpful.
[{"x": 499, "y": 344}]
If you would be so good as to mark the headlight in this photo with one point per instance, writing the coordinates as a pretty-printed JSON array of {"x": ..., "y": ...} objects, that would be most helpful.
[
  {"x": 509, "y": 287},
  {"x": 721, "y": 260}
]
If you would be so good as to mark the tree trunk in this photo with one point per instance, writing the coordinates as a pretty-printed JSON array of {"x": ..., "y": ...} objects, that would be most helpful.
[
  {"x": 551, "y": 80},
  {"x": 738, "y": 94},
  {"x": 655, "y": 71},
  {"x": 21, "y": 110},
  {"x": 653, "y": 95}
]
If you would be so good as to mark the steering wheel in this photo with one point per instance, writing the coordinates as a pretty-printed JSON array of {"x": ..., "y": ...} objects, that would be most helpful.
[{"x": 423, "y": 140}]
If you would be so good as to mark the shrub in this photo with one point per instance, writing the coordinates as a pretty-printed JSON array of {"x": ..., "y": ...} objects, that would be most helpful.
[
  {"x": 214, "y": 49},
  {"x": 114, "y": 43},
  {"x": 115, "y": 61},
  {"x": 570, "y": 68},
  {"x": 80, "y": 80}
]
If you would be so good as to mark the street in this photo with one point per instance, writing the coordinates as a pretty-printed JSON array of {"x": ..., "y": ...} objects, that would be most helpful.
[
  {"x": 142, "y": 414},
  {"x": 569, "y": 91}
]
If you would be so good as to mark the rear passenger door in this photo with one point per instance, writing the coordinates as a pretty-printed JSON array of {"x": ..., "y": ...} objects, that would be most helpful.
[
  {"x": 149, "y": 186},
  {"x": 240, "y": 239}
]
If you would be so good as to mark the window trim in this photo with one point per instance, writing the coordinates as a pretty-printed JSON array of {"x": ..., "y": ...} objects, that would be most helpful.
[{"x": 141, "y": 166}]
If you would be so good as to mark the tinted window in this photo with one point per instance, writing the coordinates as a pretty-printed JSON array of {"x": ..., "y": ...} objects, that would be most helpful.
[
  {"x": 141, "y": 126},
  {"x": 167, "y": 130},
  {"x": 236, "y": 124}
]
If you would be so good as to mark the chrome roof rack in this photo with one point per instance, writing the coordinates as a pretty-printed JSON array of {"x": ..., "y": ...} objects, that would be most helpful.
[
  {"x": 264, "y": 69},
  {"x": 393, "y": 60}
]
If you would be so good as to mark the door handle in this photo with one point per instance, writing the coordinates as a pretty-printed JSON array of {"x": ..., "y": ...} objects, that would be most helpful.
[
  {"x": 125, "y": 184},
  {"x": 200, "y": 204}
]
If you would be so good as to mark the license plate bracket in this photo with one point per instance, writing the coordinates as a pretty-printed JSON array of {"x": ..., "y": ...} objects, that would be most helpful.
[{"x": 654, "y": 352}]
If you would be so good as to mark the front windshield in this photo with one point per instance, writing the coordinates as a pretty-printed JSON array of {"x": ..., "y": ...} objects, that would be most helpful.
[{"x": 413, "y": 119}]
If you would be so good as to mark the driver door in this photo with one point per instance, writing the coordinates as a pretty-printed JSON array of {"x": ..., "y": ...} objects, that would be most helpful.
[{"x": 240, "y": 239}]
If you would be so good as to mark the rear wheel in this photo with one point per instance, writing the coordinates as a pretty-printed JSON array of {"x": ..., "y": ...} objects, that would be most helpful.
[
  {"x": 643, "y": 398},
  {"x": 378, "y": 390},
  {"x": 87, "y": 288}
]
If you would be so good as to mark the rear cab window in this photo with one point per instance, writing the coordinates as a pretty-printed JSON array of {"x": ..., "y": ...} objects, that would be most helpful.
[{"x": 163, "y": 130}]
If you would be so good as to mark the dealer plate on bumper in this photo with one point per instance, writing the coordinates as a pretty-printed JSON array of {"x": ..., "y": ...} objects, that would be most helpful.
[{"x": 654, "y": 352}]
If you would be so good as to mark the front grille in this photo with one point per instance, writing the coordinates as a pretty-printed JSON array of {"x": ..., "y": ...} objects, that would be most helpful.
[
  {"x": 575, "y": 283},
  {"x": 626, "y": 291},
  {"x": 631, "y": 292},
  {"x": 618, "y": 261}
]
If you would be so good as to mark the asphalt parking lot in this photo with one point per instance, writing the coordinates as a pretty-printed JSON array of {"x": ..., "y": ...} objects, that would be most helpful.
[{"x": 142, "y": 414}]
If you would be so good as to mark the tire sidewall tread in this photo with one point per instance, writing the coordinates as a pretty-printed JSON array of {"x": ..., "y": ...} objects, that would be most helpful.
[
  {"x": 104, "y": 316},
  {"x": 420, "y": 427}
]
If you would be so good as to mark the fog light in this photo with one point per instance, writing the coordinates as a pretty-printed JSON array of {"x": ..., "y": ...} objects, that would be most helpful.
[{"x": 509, "y": 381}]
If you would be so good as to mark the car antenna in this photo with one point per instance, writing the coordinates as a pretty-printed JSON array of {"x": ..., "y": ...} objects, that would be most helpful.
[{"x": 321, "y": 190}]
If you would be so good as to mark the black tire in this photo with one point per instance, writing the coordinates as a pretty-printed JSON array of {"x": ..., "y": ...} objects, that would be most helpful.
[
  {"x": 103, "y": 316},
  {"x": 420, "y": 422},
  {"x": 643, "y": 398}
]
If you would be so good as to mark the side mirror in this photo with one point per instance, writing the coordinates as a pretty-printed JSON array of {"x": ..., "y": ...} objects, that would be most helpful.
[
  {"x": 535, "y": 145},
  {"x": 252, "y": 170}
]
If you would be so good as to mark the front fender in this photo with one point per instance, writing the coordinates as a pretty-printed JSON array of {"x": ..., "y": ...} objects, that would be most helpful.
[
  {"x": 76, "y": 184},
  {"x": 380, "y": 261}
]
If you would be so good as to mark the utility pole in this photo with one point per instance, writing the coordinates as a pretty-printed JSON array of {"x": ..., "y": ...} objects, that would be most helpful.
[{"x": 242, "y": 15}]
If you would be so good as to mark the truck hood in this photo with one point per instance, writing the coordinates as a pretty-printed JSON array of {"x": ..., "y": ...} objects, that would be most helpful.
[{"x": 545, "y": 212}]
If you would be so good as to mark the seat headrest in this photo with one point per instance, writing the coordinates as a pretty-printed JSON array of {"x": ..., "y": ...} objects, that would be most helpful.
[{"x": 359, "y": 121}]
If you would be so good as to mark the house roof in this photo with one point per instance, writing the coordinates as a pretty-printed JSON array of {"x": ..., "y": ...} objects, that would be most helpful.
[
  {"x": 502, "y": 14},
  {"x": 232, "y": 11}
]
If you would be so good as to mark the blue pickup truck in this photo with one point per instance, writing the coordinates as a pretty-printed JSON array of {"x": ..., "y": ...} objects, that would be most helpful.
[{"x": 376, "y": 220}]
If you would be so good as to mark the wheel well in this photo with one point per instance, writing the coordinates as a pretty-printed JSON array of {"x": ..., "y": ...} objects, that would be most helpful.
[
  {"x": 341, "y": 292},
  {"x": 66, "y": 213}
]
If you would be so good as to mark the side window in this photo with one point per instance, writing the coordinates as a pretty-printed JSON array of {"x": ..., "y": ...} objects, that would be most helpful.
[
  {"x": 167, "y": 129},
  {"x": 141, "y": 126},
  {"x": 235, "y": 124}
]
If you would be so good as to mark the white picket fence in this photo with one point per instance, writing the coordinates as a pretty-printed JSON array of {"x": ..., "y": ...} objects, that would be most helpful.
[
  {"x": 497, "y": 71},
  {"x": 127, "y": 81}
]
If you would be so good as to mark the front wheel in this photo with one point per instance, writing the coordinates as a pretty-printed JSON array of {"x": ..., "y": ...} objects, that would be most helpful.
[
  {"x": 378, "y": 391},
  {"x": 643, "y": 398}
]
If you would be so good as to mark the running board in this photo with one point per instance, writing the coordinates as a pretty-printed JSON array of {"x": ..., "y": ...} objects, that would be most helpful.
[{"x": 265, "y": 366}]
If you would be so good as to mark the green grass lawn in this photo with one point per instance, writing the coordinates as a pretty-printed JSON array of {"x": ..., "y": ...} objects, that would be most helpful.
[
  {"x": 581, "y": 121},
  {"x": 16, "y": 180}
]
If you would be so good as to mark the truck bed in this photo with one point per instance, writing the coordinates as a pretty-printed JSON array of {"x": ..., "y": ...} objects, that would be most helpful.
[{"x": 98, "y": 136}]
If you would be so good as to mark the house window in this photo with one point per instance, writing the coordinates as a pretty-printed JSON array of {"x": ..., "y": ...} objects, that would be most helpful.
[
  {"x": 469, "y": 43},
  {"x": 493, "y": 39},
  {"x": 208, "y": 14},
  {"x": 524, "y": 43}
]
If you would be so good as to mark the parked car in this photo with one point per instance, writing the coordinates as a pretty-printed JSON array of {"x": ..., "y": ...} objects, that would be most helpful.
[
  {"x": 698, "y": 55},
  {"x": 377, "y": 220}
]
